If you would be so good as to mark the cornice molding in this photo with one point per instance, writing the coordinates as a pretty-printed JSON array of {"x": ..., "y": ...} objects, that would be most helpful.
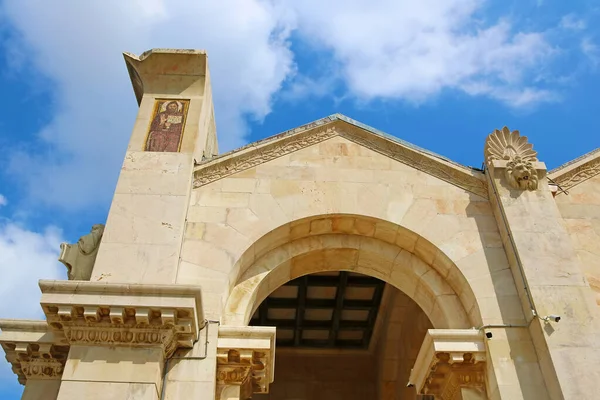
[
  {"x": 33, "y": 350},
  {"x": 105, "y": 314},
  {"x": 288, "y": 142},
  {"x": 577, "y": 171}
]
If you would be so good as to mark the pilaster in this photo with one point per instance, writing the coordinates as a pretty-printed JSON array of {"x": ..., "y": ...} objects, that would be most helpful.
[{"x": 545, "y": 267}]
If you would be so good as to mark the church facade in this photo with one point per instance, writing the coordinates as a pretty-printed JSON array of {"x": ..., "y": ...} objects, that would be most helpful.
[{"x": 330, "y": 261}]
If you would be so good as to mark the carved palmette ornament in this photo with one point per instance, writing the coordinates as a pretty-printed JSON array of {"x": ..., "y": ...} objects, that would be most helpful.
[{"x": 518, "y": 152}]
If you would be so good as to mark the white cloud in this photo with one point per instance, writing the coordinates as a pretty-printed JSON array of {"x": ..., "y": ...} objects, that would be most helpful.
[
  {"x": 398, "y": 49},
  {"x": 413, "y": 50},
  {"x": 79, "y": 44},
  {"x": 591, "y": 50},
  {"x": 571, "y": 22},
  {"x": 3, "y": 200},
  {"x": 26, "y": 257}
]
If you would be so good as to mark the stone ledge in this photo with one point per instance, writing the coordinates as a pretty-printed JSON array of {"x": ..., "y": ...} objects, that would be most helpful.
[
  {"x": 246, "y": 358},
  {"x": 450, "y": 349},
  {"x": 135, "y": 315},
  {"x": 33, "y": 350}
]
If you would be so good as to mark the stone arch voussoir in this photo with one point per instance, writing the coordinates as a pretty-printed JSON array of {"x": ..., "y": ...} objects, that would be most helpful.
[{"x": 360, "y": 244}]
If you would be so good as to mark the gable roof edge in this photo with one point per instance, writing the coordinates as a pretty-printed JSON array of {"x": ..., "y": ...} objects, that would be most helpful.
[
  {"x": 576, "y": 171},
  {"x": 468, "y": 178}
]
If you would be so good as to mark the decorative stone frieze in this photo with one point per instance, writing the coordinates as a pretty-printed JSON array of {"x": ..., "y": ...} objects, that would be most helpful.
[
  {"x": 34, "y": 351},
  {"x": 133, "y": 315},
  {"x": 41, "y": 368},
  {"x": 449, "y": 361},
  {"x": 515, "y": 155},
  {"x": 327, "y": 128},
  {"x": 576, "y": 171},
  {"x": 245, "y": 358}
]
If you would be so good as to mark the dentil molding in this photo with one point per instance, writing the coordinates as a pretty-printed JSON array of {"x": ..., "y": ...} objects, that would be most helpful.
[
  {"x": 132, "y": 315},
  {"x": 34, "y": 351}
]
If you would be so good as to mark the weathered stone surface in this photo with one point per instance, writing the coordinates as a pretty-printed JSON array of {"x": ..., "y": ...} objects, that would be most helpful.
[{"x": 79, "y": 258}]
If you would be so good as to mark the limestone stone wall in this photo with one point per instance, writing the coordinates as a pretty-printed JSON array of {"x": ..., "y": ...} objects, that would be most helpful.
[
  {"x": 447, "y": 224},
  {"x": 401, "y": 338},
  {"x": 322, "y": 377},
  {"x": 341, "y": 204},
  {"x": 580, "y": 209}
]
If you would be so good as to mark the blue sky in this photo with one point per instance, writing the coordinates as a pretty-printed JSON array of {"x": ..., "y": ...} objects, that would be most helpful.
[{"x": 441, "y": 74}]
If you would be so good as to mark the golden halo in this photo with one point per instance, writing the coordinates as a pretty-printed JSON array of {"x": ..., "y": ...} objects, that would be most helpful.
[{"x": 163, "y": 106}]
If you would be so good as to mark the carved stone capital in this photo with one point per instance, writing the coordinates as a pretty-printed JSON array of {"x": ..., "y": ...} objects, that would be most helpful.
[
  {"x": 104, "y": 314},
  {"x": 245, "y": 358},
  {"x": 33, "y": 350},
  {"x": 450, "y": 359},
  {"x": 512, "y": 153}
]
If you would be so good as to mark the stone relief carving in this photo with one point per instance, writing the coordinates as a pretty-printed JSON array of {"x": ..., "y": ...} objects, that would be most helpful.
[
  {"x": 455, "y": 175},
  {"x": 117, "y": 326},
  {"x": 452, "y": 372},
  {"x": 79, "y": 258},
  {"x": 244, "y": 368},
  {"x": 510, "y": 146},
  {"x": 222, "y": 167},
  {"x": 578, "y": 175},
  {"x": 35, "y": 360},
  {"x": 42, "y": 368}
]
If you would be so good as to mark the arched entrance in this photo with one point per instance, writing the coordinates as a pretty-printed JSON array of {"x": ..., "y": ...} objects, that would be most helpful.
[
  {"x": 416, "y": 271},
  {"x": 336, "y": 325},
  {"x": 360, "y": 244}
]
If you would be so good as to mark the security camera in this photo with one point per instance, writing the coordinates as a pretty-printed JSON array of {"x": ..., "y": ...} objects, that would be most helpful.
[
  {"x": 554, "y": 318},
  {"x": 488, "y": 335}
]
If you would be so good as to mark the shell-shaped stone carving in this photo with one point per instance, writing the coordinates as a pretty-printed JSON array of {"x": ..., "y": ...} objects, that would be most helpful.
[
  {"x": 511, "y": 146},
  {"x": 506, "y": 145}
]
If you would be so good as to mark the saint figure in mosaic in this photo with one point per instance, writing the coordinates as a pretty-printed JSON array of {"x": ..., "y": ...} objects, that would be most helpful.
[{"x": 167, "y": 125}]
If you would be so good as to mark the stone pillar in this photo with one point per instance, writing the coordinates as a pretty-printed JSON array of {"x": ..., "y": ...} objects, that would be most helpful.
[
  {"x": 37, "y": 356},
  {"x": 545, "y": 267},
  {"x": 451, "y": 365},
  {"x": 119, "y": 334},
  {"x": 192, "y": 373},
  {"x": 245, "y": 361},
  {"x": 174, "y": 128}
]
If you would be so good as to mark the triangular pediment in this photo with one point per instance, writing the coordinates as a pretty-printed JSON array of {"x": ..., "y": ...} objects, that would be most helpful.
[
  {"x": 253, "y": 154},
  {"x": 577, "y": 171}
]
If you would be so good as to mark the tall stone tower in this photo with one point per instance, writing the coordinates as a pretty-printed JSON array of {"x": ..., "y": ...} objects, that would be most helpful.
[{"x": 174, "y": 128}]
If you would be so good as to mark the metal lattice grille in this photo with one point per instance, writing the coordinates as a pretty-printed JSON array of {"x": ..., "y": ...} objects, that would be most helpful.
[{"x": 327, "y": 310}]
